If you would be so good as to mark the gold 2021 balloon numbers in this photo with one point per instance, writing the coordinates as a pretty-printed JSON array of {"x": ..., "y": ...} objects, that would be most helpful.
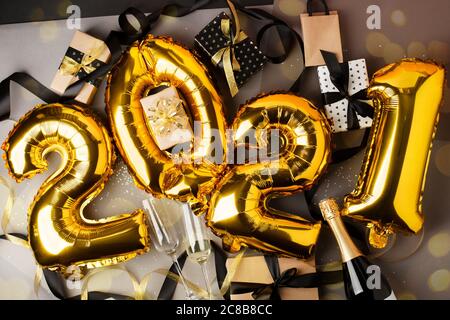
[{"x": 234, "y": 197}]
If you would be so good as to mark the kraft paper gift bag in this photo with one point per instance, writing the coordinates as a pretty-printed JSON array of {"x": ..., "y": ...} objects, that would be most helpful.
[{"x": 320, "y": 32}]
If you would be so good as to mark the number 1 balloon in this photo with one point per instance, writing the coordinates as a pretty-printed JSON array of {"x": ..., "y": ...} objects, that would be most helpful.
[{"x": 388, "y": 195}]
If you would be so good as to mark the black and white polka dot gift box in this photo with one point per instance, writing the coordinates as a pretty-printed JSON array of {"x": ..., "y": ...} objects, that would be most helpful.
[
  {"x": 211, "y": 39},
  {"x": 357, "y": 80}
]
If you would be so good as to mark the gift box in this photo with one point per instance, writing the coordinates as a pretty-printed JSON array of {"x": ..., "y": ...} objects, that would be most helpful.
[
  {"x": 84, "y": 55},
  {"x": 253, "y": 279},
  {"x": 167, "y": 118},
  {"x": 238, "y": 56},
  {"x": 344, "y": 93}
]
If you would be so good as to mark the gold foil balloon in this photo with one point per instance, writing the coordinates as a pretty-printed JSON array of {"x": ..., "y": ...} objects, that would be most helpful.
[
  {"x": 59, "y": 234},
  {"x": 388, "y": 196},
  {"x": 187, "y": 175},
  {"x": 239, "y": 210}
]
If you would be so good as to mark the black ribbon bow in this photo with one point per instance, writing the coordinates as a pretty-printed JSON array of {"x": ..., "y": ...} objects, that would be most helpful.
[
  {"x": 339, "y": 77},
  {"x": 289, "y": 278}
]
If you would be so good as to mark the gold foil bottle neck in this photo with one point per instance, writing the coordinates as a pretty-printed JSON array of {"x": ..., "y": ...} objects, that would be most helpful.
[
  {"x": 329, "y": 208},
  {"x": 331, "y": 213}
]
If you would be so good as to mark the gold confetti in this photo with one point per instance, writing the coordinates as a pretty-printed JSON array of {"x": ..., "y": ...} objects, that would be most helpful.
[{"x": 291, "y": 70}]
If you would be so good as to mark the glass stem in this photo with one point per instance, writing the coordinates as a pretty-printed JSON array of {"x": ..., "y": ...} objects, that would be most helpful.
[
  {"x": 206, "y": 278},
  {"x": 189, "y": 293}
]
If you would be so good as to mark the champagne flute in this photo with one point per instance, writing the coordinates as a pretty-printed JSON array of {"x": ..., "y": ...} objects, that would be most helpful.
[
  {"x": 166, "y": 233},
  {"x": 198, "y": 242}
]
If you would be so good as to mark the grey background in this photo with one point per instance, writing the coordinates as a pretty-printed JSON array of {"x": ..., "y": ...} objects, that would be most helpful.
[{"x": 408, "y": 28}]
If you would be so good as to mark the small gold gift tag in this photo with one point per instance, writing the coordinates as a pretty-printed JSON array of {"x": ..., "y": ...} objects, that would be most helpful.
[{"x": 167, "y": 118}]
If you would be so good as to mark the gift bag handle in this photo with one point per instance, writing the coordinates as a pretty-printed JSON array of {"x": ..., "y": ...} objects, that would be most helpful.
[{"x": 310, "y": 9}]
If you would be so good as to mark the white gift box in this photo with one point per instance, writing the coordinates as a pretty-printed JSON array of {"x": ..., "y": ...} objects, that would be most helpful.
[
  {"x": 167, "y": 118},
  {"x": 357, "y": 80}
]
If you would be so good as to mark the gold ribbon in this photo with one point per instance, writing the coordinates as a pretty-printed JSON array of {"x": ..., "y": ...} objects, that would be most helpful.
[
  {"x": 7, "y": 216},
  {"x": 232, "y": 271},
  {"x": 70, "y": 67},
  {"x": 226, "y": 54},
  {"x": 139, "y": 287},
  {"x": 7, "y": 210}
]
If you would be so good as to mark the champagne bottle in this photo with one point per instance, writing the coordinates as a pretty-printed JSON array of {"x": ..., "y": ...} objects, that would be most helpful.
[{"x": 362, "y": 279}]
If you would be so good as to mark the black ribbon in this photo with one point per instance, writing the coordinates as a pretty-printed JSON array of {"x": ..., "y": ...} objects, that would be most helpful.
[
  {"x": 169, "y": 285},
  {"x": 287, "y": 36},
  {"x": 339, "y": 77},
  {"x": 289, "y": 278}
]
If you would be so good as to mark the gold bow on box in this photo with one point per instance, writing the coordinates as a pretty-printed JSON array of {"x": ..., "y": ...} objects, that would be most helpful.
[
  {"x": 219, "y": 40},
  {"x": 84, "y": 55},
  {"x": 167, "y": 119},
  {"x": 88, "y": 63},
  {"x": 226, "y": 54}
]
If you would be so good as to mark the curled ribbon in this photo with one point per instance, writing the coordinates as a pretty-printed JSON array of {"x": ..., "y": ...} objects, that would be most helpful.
[
  {"x": 139, "y": 287},
  {"x": 15, "y": 239},
  {"x": 71, "y": 67},
  {"x": 226, "y": 54},
  {"x": 7, "y": 210},
  {"x": 339, "y": 77}
]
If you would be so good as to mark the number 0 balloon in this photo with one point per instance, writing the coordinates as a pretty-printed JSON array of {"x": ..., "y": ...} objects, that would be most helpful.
[
  {"x": 388, "y": 196},
  {"x": 154, "y": 62}
]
